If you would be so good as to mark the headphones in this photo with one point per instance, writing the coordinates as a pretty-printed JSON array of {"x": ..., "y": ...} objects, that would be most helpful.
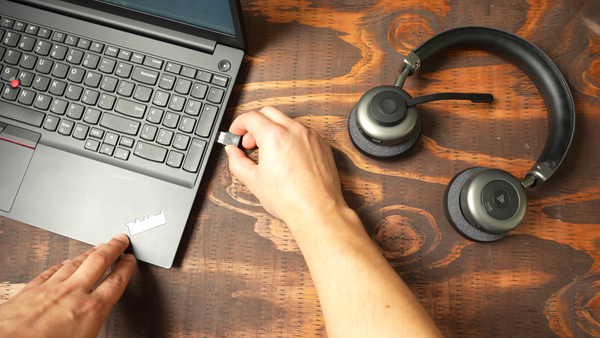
[{"x": 481, "y": 204}]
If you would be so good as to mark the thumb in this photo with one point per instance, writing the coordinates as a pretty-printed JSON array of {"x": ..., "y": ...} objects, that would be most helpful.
[{"x": 240, "y": 165}]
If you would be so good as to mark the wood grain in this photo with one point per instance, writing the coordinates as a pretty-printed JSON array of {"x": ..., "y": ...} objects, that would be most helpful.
[{"x": 239, "y": 273}]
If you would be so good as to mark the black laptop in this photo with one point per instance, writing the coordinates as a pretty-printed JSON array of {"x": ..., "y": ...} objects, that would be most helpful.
[{"x": 109, "y": 111}]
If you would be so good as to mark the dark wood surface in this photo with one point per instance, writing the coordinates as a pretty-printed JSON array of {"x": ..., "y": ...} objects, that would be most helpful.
[{"x": 239, "y": 272}]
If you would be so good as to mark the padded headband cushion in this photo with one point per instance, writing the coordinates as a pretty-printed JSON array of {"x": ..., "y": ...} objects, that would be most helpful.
[{"x": 534, "y": 63}]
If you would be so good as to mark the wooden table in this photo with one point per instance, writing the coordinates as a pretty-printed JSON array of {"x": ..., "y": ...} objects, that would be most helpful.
[{"x": 239, "y": 272}]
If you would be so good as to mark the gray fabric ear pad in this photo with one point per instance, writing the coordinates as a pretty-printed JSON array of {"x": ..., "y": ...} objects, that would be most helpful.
[
  {"x": 454, "y": 213},
  {"x": 379, "y": 152},
  {"x": 534, "y": 63}
]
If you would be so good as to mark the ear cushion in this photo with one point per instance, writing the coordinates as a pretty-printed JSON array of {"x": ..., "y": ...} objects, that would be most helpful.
[
  {"x": 379, "y": 152},
  {"x": 454, "y": 213}
]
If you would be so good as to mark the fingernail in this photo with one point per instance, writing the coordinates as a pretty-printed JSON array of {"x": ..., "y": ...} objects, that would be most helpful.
[
  {"x": 128, "y": 257},
  {"x": 122, "y": 238},
  {"x": 98, "y": 246}
]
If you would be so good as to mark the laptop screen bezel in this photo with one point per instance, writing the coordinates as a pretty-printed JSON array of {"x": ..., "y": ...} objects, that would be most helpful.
[{"x": 75, "y": 7}]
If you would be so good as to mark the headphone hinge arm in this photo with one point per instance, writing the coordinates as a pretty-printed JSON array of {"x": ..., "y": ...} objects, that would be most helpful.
[
  {"x": 411, "y": 63},
  {"x": 536, "y": 175}
]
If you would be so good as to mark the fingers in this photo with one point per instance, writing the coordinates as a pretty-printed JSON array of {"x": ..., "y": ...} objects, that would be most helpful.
[
  {"x": 251, "y": 124},
  {"x": 113, "y": 286},
  {"x": 240, "y": 165},
  {"x": 97, "y": 262},
  {"x": 70, "y": 266},
  {"x": 43, "y": 277}
]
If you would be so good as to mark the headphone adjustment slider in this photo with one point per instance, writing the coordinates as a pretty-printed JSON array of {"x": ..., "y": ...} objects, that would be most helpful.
[
  {"x": 412, "y": 63},
  {"x": 538, "y": 174}
]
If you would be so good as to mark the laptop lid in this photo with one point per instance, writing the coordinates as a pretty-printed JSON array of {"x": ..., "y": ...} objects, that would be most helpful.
[{"x": 198, "y": 24}]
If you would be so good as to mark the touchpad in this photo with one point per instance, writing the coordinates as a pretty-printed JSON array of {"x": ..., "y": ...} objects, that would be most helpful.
[{"x": 15, "y": 154}]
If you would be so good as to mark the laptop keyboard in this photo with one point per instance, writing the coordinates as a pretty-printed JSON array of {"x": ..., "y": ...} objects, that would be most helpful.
[{"x": 107, "y": 102}]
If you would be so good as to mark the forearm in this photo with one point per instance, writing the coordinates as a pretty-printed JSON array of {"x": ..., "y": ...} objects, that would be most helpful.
[{"x": 360, "y": 294}]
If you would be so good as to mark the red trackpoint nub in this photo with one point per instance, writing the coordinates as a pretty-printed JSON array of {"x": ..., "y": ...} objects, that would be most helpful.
[{"x": 14, "y": 83}]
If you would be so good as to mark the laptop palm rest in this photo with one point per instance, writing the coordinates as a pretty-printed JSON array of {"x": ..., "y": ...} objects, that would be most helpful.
[{"x": 16, "y": 148}]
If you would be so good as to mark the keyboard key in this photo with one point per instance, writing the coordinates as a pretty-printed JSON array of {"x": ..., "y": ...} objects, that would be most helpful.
[
  {"x": 173, "y": 68},
  {"x": 199, "y": 90},
  {"x": 92, "y": 116},
  {"x": 167, "y": 82},
  {"x": 177, "y": 103},
  {"x": 73, "y": 92},
  {"x": 58, "y": 87},
  {"x": 188, "y": 72},
  {"x": 148, "y": 132},
  {"x": 42, "y": 48},
  {"x": 144, "y": 75},
  {"x": 81, "y": 131},
  {"x": 10, "y": 73},
  {"x": 74, "y": 56},
  {"x": 125, "y": 88},
  {"x": 32, "y": 29},
  {"x": 90, "y": 61},
  {"x": 123, "y": 70},
  {"x": 181, "y": 142},
  {"x": 76, "y": 75},
  {"x": 187, "y": 125},
  {"x": 43, "y": 102},
  {"x": 11, "y": 39},
  {"x": 92, "y": 145},
  {"x": 127, "y": 142},
  {"x": 171, "y": 120},
  {"x": 27, "y": 43},
  {"x": 164, "y": 137},
  {"x": 124, "y": 55},
  {"x": 143, "y": 94},
  {"x": 155, "y": 115},
  {"x": 175, "y": 159},
  {"x": 194, "y": 156},
  {"x": 183, "y": 86},
  {"x": 58, "y": 52},
  {"x": 21, "y": 114},
  {"x": 120, "y": 124},
  {"x": 90, "y": 97},
  {"x": 20, "y": 26},
  {"x": 44, "y": 66},
  {"x": 137, "y": 58},
  {"x": 71, "y": 40},
  {"x": 75, "y": 111},
  {"x": 204, "y": 76},
  {"x": 51, "y": 123},
  {"x": 97, "y": 133},
  {"x": 26, "y": 79},
  {"x": 193, "y": 107},
  {"x": 66, "y": 127},
  {"x": 122, "y": 154},
  {"x": 59, "y": 107},
  {"x": 59, "y": 37},
  {"x": 44, "y": 33},
  {"x": 109, "y": 84},
  {"x": 150, "y": 152},
  {"x": 153, "y": 62},
  {"x": 97, "y": 47},
  {"x": 93, "y": 80},
  {"x": 6, "y": 22},
  {"x": 12, "y": 57},
  {"x": 215, "y": 95},
  {"x": 112, "y": 51},
  {"x": 28, "y": 61},
  {"x": 10, "y": 93},
  {"x": 130, "y": 108},
  {"x": 26, "y": 97},
  {"x": 161, "y": 98},
  {"x": 209, "y": 113},
  {"x": 107, "y": 65},
  {"x": 60, "y": 70},
  {"x": 107, "y": 102},
  {"x": 107, "y": 149},
  {"x": 111, "y": 138},
  {"x": 84, "y": 44}
]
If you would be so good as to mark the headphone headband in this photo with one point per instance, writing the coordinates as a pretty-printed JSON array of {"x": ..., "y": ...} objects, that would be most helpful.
[{"x": 535, "y": 64}]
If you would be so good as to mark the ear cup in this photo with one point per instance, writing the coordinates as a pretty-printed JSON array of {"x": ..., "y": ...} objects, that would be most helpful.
[
  {"x": 376, "y": 151},
  {"x": 454, "y": 213}
]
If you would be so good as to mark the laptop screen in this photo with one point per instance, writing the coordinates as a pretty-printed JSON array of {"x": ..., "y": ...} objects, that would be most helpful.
[{"x": 209, "y": 14}]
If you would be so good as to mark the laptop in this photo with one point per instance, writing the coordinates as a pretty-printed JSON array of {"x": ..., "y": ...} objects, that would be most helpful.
[{"x": 109, "y": 110}]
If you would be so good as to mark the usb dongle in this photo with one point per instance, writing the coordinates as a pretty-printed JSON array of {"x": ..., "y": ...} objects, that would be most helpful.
[{"x": 227, "y": 138}]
